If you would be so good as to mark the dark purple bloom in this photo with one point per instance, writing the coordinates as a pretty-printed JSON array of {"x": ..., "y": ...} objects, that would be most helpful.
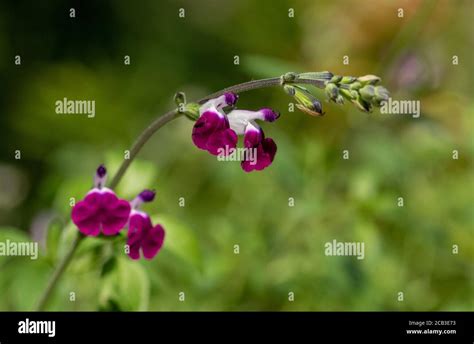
[
  {"x": 260, "y": 150},
  {"x": 269, "y": 115},
  {"x": 147, "y": 195},
  {"x": 217, "y": 132},
  {"x": 101, "y": 210},
  {"x": 142, "y": 235},
  {"x": 212, "y": 132},
  {"x": 231, "y": 98}
]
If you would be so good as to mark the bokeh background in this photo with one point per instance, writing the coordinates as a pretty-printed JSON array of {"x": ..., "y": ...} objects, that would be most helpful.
[{"x": 407, "y": 249}]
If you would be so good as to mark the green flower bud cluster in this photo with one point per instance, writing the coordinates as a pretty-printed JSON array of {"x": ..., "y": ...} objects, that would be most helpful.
[
  {"x": 362, "y": 91},
  {"x": 190, "y": 110}
]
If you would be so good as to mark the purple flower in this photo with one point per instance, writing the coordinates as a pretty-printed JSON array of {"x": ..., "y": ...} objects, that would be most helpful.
[
  {"x": 142, "y": 235},
  {"x": 260, "y": 150},
  {"x": 100, "y": 210},
  {"x": 217, "y": 132},
  {"x": 211, "y": 132}
]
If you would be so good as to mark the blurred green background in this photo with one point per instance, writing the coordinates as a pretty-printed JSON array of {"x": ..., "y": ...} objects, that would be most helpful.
[{"x": 407, "y": 249}]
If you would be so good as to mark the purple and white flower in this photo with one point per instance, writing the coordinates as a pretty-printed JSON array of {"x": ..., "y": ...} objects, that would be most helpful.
[
  {"x": 101, "y": 210},
  {"x": 212, "y": 132},
  {"x": 142, "y": 235},
  {"x": 217, "y": 131},
  {"x": 265, "y": 148}
]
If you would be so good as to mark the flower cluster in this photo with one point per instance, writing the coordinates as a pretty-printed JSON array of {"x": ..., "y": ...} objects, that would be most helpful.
[
  {"x": 102, "y": 212},
  {"x": 363, "y": 91},
  {"x": 217, "y": 131}
]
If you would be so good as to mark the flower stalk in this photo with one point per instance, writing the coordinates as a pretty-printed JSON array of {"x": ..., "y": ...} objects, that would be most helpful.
[{"x": 361, "y": 91}]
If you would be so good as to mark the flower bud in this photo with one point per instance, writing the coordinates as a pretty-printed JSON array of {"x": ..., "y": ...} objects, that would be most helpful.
[
  {"x": 305, "y": 101},
  {"x": 348, "y": 94},
  {"x": 347, "y": 80},
  {"x": 147, "y": 195},
  {"x": 100, "y": 177},
  {"x": 369, "y": 79},
  {"x": 335, "y": 79},
  {"x": 316, "y": 108},
  {"x": 332, "y": 91},
  {"x": 362, "y": 104},
  {"x": 355, "y": 85},
  {"x": 381, "y": 95},
  {"x": 367, "y": 93},
  {"x": 290, "y": 90}
]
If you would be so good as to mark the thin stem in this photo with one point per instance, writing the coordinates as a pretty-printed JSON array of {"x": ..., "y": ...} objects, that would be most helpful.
[
  {"x": 262, "y": 83},
  {"x": 58, "y": 272},
  {"x": 245, "y": 86},
  {"x": 137, "y": 146},
  {"x": 169, "y": 116},
  {"x": 140, "y": 142}
]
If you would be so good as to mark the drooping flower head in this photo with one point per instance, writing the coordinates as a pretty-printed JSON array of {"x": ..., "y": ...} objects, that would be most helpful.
[
  {"x": 100, "y": 211},
  {"x": 217, "y": 131},
  {"x": 142, "y": 235}
]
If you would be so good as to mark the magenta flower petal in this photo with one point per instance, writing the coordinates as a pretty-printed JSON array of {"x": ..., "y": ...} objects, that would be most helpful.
[
  {"x": 153, "y": 241},
  {"x": 84, "y": 216},
  {"x": 211, "y": 132},
  {"x": 263, "y": 150},
  {"x": 138, "y": 222},
  {"x": 265, "y": 154},
  {"x": 205, "y": 126},
  {"x": 100, "y": 210},
  {"x": 253, "y": 137},
  {"x": 222, "y": 142},
  {"x": 142, "y": 235}
]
